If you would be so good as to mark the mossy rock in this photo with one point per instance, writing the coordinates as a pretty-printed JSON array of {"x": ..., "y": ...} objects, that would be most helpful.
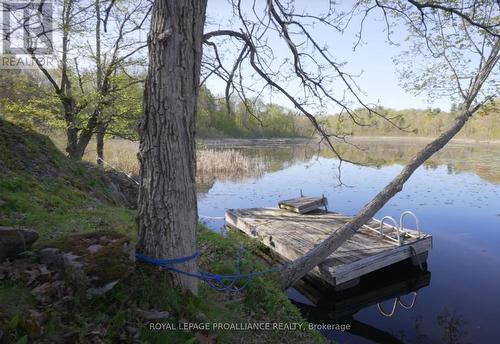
[
  {"x": 92, "y": 262},
  {"x": 14, "y": 241}
]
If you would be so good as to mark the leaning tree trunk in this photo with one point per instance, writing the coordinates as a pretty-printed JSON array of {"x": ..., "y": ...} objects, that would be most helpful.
[
  {"x": 167, "y": 216},
  {"x": 301, "y": 266}
]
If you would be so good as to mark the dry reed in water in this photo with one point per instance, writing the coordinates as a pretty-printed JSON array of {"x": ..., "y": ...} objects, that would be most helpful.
[
  {"x": 226, "y": 164},
  {"x": 221, "y": 164}
]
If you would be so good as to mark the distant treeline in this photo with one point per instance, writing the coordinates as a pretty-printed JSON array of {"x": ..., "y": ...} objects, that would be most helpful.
[
  {"x": 27, "y": 99},
  {"x": 253, "y": 119},
  {"x": 484, "y": 125}
]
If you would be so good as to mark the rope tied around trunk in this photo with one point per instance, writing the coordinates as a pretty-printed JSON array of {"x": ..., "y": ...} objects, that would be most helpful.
[{"x": 218, "y": 282}]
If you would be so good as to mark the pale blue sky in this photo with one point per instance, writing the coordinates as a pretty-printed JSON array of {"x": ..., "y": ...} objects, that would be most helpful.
[{"x": 373, "y": 58}]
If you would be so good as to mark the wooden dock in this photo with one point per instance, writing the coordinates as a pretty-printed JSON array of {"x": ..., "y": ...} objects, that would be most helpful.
[{"x": 291, "y": 235}]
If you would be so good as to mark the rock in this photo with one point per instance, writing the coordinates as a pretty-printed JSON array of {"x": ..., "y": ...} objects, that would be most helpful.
[
  {"x": 154, "y": 315},
  {"x": 67, "y": 264},
  {"x": 201, "y": 317},
  {"x": 89, "y": 267},
  {"x": 14, "y": 241},
  {"x": 94, "y": 248},
  {"x": 50, "y": 256},
  {"x": 132, "y": 329},
  {"x": 124, "y": 187}
]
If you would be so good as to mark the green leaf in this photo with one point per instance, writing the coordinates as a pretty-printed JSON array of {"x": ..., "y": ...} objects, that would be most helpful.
[
  {"x": 192, "y": 340},
  {"x": 23, "y": 340},
  {"x": 99, "y": 316},
  {"x": 14, "y": 322}
]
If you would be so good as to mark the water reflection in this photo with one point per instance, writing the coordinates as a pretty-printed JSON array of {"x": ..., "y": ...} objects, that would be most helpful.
[
  {"x": 479, "y": 158},
  {"x": 256, "y": 160},
  {"x": 391, "y": 290}
]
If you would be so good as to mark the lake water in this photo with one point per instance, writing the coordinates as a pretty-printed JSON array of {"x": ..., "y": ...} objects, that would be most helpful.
[{"x": 456, "y": 197}]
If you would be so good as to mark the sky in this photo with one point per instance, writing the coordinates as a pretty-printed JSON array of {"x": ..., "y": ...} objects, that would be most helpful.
[{"x": 373, "y": 59}]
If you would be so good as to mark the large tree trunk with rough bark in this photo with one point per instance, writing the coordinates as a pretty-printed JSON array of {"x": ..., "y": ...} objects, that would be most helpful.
[
  {"x": 301, "y": 266},
  {"x": 167, "y": 216}
]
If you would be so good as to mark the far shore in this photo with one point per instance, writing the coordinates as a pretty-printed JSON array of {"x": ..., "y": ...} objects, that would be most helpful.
[
  {"x": 235, "y": 142},
  {"x": 420, "y": 138}
]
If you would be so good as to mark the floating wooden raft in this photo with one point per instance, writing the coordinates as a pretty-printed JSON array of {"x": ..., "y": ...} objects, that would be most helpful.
[{"x": 292, "y": 235}]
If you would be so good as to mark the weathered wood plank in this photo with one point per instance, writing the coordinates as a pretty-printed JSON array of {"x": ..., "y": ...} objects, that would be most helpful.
[
  {"x": 380, "y": 260},
  {"x": 303, "y": 205}
]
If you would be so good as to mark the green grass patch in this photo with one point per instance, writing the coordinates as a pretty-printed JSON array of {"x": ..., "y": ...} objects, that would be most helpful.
[
  {"x": 14, "y": 298},
  {"x": 54, "y": 208}
]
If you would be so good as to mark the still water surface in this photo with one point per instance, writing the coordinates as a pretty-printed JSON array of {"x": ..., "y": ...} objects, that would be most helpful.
[{"x": 456, "y": 197}]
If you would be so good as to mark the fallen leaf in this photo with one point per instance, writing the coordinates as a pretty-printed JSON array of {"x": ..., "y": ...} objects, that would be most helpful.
[
  {"x": 31, "y": 275},
  {"x": 42, "y": 289},
  {"x": 206, "y": 339}
]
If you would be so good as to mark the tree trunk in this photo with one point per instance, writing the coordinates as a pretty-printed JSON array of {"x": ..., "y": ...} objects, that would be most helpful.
[
  {"x": 71, "y": 130},
  {"x": 167, "y": 216},
  {"x": 100, "y": 126},
  {"x": 301, "y": 266},
  {"x": 101, "y": 130},
  {"x": 86, "y": 135},
  {"x": 71, "y": 140}
]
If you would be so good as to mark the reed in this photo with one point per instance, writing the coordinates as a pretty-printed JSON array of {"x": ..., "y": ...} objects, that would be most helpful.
[
  {"x": 119, "y": 154},
  {"x": 228, "y": 164},
  {"x": 220, "y": 164}
]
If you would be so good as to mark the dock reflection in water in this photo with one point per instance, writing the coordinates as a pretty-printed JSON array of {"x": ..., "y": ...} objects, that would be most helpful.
[{"x": 392, "y": 290}]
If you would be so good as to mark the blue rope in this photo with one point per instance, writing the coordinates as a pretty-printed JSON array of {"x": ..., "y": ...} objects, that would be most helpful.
[
  {"x": 156, "y": 261},
  {"x": 218, "y": 282}
]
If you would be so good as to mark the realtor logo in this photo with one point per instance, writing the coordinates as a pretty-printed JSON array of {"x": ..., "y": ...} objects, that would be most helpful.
[{"x": 27, "y": 31}]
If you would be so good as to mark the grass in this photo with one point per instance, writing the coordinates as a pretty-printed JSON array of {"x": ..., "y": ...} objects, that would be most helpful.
[
  {"x": 119, "y": 154},
  {"x": 55, "y": 208},
  {"x": 40, "y": 188},
  {"x": 14, "y": 298}
]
